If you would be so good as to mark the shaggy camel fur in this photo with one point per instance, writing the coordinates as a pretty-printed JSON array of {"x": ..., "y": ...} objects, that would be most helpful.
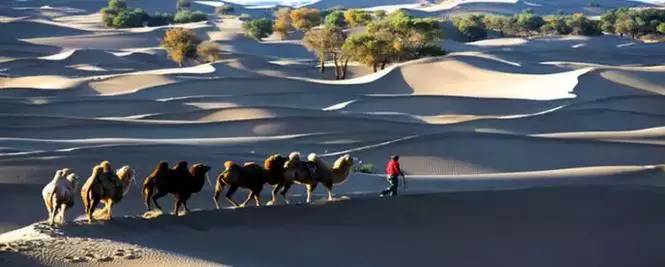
[
  {"x": 299, "y": 171},
  {"x": 250, "y": 176},
  {"x": 105, "y": 186},
  {"x": 179, "y": 181},
  {"x": 326, "y": 175},
  {"x": 274, "y": 169},
  {"x": 58, "y": 195}
]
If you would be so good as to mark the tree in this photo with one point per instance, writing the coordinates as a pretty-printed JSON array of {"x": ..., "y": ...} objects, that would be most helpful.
[
  {"x": 180, "y": 44},
  {"x": 258, "y": 28},
  {"x": 626, "y": 26},
  {"x": 529, "y": 22},
  {"x": 282, "y": 25},
  {"x": 208, "y": 51},
  {"x": 356, "y": 17},
  {"x": 556, "y": 24},
  {"x": 224, "y": 10},
  {"x": 327, "y": 42},
  {"x": 129, "y": 18},
  {"x": 181, "y": 5},
  {"x": 305, "y": 18},
  {"x": 367, "y": 48},
  {"x": 661, "y": 28},
  {"x": 471, "y": 27},
  {"x": 117, "y": 4},
  {"x": 496, "y": 23},
  {"x": 581, "y": 25},
  {"x": 186, "y": 16},
  {"x": 335, "y": 19}
]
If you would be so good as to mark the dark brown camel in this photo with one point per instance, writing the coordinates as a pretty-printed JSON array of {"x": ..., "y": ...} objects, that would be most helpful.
[{"x": 179, "y": 181}]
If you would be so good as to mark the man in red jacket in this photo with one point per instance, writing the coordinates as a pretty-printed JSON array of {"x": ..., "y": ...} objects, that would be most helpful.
[{"x": 393, "y": 171}]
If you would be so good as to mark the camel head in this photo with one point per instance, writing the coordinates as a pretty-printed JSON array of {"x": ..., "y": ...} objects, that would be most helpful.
[
  {"x": 106, "y": 165},
  {"x": 199, "y": 169},
  {"x": 342, "y": 168},
  {"x": 345, "y": 161},
  {"x": 73, "y": 179},
  {"x": 127, "y": 177}
]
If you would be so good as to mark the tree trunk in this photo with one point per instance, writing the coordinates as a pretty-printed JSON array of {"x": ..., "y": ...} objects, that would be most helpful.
[
  {"x": 375, "y": 67},
  {"x": 337, "y": 70},
  {"x": 344, "y": 68},
  {"x": 323, "y": 65},
  {"x": 383, "y": 64}
]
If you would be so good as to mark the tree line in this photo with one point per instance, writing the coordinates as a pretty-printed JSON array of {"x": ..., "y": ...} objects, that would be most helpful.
[
  {"x": 634, "y": 23},
  {"x": 375, "y": 39},
  {"x": 118, "y": 15}
]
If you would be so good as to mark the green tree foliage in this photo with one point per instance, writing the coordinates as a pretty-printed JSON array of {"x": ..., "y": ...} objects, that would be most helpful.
[
  {"x": 305, "y": 18},
  {"x": 180, "y": 44},
  {"x": 395, "y": 38},
  {"x": 224, "y": 10},
  {"x": 335, "y": 19},
  {"x": 496, "y": 23},
  {"x": 633, "y": 22},
  {"x": 528, "y": 22},
  {"x": 185, "y": 16},
  {"x": 357, "y": 17},
  {"x": 326, "y": 43},
  {"x": 258, "y": 28},
  {"x": 661, "y": 28},
  {"x": 471, "y": 27}
]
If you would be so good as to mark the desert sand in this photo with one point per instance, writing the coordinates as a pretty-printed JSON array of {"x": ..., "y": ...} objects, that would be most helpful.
[{"x": 546, "y": 151}]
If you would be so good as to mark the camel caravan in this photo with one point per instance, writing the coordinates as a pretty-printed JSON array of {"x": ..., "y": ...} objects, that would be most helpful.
[{"x": 108, "y": 187}]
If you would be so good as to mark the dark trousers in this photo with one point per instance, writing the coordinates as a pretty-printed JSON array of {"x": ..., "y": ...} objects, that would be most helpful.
[{"x": 393, "y": 180}]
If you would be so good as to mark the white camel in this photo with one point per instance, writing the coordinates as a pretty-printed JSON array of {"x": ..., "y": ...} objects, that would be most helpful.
[{"x": 59, "y": 194}]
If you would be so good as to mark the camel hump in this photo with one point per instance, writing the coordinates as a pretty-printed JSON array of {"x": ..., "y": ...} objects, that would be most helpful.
[
  {"x": 312, "y": 157},
  {"x": 249, "y": 163},
  {"x": 294, "y": 156}
]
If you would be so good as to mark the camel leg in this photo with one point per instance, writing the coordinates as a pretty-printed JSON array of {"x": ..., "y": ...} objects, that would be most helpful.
[
  {"x": 229, "y": 195},
  {"x": 219, "y": 188},
  {"x": 54, "y": 212},
  {"x": 257, "y": 199},
  {"x": 274, "y": 194},
  {"x": 249, "y": 197},
  {"x": 329, "y": 187},
  {"x": 310, "y": 191},
  {"x": 147, "y": 195},
  {"x": 92, "y": 208},
  {"x": 107, "y": 209},
  {"x": 63, "y": 209},
  {"x": 157, "y": 196},
  {"x": 47, "y": 202},
  {"x": 176, "y": 205},
  {"x": 285, "y": 190}
]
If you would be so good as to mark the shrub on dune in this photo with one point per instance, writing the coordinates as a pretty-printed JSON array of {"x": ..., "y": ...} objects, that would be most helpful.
[
  {"x": 282, "y": 25},
  {"x": 258, "y": 28},
  {"x": 186, "y": 16},
  {"x": 471, "y": 27},
  {"x": 356, "y": 17},
  {"x": 335, "y": 19},
  {"x": 180, "y": 44},
  {"x": 208, "y": 51},
  {"x": 305, "y": 18}
]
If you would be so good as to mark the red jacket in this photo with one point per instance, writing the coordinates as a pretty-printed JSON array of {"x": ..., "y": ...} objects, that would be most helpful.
[{"x": 392, "y": 168}]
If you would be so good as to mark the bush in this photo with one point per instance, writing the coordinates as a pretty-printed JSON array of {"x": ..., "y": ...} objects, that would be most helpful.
[
  {"x": 661, "y": 28},
  {"x": 356, "y": 17},
  {"x": 159, "y": 19},
  {"x": 305, "y": 18},
  {"x": 180, "y": 44},
  {"x": 186, "y": 16},
  {"x": 282, "y": 25},
  {"x": 364, "y": 168},
  {"x": 224, "y": 10},
  {"x": 335, "y": 19},
  {"x": 258, "y": 28},
  {"x": 208, "y": 51},
  {"x": 471, "y": 27}
]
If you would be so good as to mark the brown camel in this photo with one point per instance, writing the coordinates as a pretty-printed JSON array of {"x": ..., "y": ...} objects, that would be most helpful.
[
  {"x": 253, "y": 177},
  {"x": 326, "y": 175},
  {"x": 296, "y": 170},
  {"x": 274, "y": 169},
  {"x": 107, "y": 187},
  {"x": 179, "y": 181},
  {"x": 250, "y": 176}
]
